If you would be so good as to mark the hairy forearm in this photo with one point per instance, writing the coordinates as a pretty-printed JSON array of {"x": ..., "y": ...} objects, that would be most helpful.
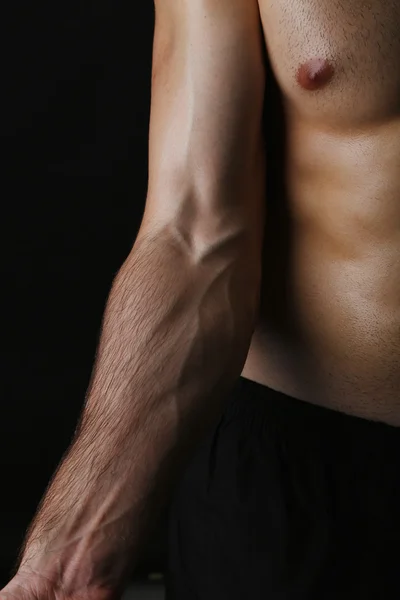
[{"x": 175, "y": 336}]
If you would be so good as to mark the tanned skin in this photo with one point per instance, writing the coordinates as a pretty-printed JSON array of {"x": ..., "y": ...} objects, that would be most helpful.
[
  {"x": 329, "y": 328},
  {"x": 181, "y": 312}
]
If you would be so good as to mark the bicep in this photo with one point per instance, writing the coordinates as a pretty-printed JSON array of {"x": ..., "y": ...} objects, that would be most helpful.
[{"x": 207, "y": 101}]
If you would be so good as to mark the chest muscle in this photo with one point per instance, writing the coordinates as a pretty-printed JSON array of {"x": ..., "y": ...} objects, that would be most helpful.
[{"x": 337, "y": 61}]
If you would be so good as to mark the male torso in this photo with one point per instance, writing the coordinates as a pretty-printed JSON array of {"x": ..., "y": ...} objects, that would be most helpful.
[{"x": 329, "y": 328}]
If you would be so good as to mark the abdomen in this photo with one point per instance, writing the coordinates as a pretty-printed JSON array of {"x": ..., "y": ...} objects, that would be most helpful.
[{"x": 329, "y": 329}]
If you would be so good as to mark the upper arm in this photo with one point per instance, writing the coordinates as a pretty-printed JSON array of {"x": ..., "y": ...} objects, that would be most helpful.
[{"x": 205, "y": 141}]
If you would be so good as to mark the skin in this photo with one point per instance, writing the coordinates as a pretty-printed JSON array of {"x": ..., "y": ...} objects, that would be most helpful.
[
  {"x": 307, "y": 290},
  {"x": 329, "y": 329}
]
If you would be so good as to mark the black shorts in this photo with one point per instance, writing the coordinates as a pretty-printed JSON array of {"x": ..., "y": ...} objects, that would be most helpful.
[{"x": 284, "y": 500}]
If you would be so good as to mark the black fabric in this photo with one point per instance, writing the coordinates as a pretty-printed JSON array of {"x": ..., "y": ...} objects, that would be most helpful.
[{"x": 286, "y": 500}]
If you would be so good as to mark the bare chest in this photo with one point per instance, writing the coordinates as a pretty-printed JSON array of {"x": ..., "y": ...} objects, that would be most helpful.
[{"x": 336, "y": 61}]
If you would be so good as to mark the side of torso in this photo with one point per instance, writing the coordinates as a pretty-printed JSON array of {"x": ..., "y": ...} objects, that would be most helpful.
[{"x": 329, "y": 329}]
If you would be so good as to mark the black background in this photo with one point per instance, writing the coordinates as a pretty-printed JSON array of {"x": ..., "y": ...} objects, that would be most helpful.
[{"x": 74, "y": 126}]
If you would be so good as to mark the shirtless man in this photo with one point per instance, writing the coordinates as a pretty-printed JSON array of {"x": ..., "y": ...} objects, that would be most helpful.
[{"x": 285, "y": 481}]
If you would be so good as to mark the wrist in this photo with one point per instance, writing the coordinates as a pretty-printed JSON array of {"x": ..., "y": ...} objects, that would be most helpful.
[{"x": 28, "y": 583}]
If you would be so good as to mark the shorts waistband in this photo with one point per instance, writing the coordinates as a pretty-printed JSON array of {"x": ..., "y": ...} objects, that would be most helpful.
[{"x": 253, "y": 401}]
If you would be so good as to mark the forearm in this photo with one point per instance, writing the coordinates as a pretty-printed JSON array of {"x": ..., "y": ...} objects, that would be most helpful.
[{"x": 174, "y": 340}]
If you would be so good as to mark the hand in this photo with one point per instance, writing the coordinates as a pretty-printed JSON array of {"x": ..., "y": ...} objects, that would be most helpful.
[{"x": 30, "y": 586}]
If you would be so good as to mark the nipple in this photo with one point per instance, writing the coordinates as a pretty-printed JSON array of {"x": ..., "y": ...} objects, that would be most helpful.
[{"x": 314, "y": 74}]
